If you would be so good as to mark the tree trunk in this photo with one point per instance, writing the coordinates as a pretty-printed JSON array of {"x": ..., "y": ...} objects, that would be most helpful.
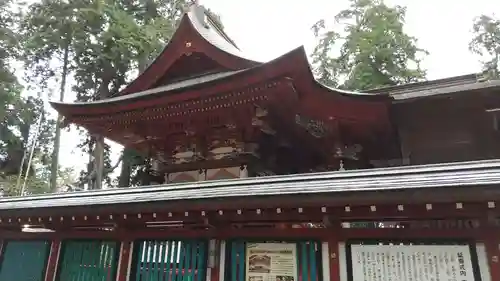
[
  {"x": 107, "y": 76},
  {"x": 99, "y": 162},
  {"x": 126, "y": 169},
  {"x": 54, "y": 168}
]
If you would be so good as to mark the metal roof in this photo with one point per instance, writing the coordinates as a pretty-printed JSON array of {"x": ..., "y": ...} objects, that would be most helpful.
[
  {"x": 183, "y": 84},
  {"x": 437, "y": 87},
  {"x": 468, "y": 174}
]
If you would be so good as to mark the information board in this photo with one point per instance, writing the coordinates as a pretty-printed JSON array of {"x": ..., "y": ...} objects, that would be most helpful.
[
  {"x": 271, "y": 262},
  {"x": 411, "y": 263}
]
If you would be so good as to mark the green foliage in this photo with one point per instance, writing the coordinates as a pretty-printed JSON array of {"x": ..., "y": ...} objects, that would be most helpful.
[
  {"x": 102, "y": 42},
  {"x": 486, "y": 43},
  {"x": 373, "y": 49}
]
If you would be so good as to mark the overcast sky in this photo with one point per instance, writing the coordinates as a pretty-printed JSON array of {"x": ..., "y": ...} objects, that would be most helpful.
[{"x": 266, "y": 29}]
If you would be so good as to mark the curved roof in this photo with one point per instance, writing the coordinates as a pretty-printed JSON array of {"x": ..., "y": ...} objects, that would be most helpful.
[
  {"x": 208, "y": 28},
  {"x": 197, "y": 32}
]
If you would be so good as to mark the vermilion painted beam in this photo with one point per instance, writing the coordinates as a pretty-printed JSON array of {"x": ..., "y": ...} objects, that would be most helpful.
[{"x": 52, "y": 263}]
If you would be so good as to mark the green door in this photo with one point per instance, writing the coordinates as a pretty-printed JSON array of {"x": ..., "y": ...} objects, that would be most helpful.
[
  {"x": 173, "y": 260},
  {"x": 308, "y": 259},
  {"x": 88, "y": 260},
  {"x": 24, "y": 260}
]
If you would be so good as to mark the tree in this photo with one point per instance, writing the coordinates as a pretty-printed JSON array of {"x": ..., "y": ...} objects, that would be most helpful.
[
  {"x": 486, "y": 44},
  {"x": 47, "y": 32},
  {"x": 18, "y": 115},
  {"x": 373, "y": 51}
]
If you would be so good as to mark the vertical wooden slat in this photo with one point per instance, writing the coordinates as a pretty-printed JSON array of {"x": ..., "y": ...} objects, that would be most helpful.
[
  {"x": 150, "y": 262},
  {"x": 313, "y": 265},
  {"x": 234, "y": 261},
  {"x": 303, "y": 261},
  {"x": 175, "y": 251},
  {"x": 241, "y": 260},
  {"x": 181, "y": 261},
  {"x": 201, "y": 263},
  {"x": 168, "y": 261},
  {"x": 187, "y": 261},
  {"x": 194, "y": 259},
  {"x": 161, "y": 260}
]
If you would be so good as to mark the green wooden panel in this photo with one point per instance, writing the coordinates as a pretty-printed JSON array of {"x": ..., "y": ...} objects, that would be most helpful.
[
  {"x": 308, "y": 255},
  {"x": 170, "y": 260},
  {"x": 88, "y": 260},
  {"x": 24, "y": 260}
]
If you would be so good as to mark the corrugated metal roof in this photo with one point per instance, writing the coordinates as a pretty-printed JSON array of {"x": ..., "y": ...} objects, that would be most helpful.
[
  {"x": 470, "y": 174},
  {"x": 437, "y": 87},
  {"x": 183, "y": 84}
]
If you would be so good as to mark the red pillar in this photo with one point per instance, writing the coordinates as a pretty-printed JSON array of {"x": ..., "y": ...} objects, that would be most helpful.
[
  {"x": 492, "y": 245},
  {"x": 124, "y": 260},
  {"x": 55, "y": 249},
  {"x": 333, "y": 246}
]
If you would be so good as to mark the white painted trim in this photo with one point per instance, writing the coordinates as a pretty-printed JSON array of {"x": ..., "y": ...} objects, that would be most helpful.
[
  {"x": 222, "y": 260},
  {"x": 122, "y": 245},
  {"x": 209, "y": 274},
  {"x": 482, "y": 260},
  {"x": 130, "y": 257},
  {"x": 212, "y": 248},
  {"x": 342, "y": 262},
  {"x": 325, "y": 260}
]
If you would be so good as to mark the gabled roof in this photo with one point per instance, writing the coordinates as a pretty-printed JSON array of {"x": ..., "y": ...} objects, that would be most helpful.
[{"x": 197, "y": 34}]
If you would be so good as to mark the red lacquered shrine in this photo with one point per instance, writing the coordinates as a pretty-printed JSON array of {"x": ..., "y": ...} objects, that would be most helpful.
[{"x": 260, "y": 173}]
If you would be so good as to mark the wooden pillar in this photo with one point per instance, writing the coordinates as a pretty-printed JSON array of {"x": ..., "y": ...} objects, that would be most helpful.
[
  {"x": 492, "y": 245},
  {"x": 125, "y": 260},
  {"x": 334, "y": 260},
  {"x": 53, "y": 260},
  {"x": 222, "y": 260}
]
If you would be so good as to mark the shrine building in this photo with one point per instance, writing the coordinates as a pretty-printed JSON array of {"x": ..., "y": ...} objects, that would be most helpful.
[{"x": 259, "y": 172}]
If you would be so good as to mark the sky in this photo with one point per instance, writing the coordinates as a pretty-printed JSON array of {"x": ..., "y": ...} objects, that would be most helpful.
[{"x": 266, "y": 29}]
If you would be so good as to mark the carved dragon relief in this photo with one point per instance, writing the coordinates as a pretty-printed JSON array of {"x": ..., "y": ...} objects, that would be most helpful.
[{"x": 316, "y": 128}]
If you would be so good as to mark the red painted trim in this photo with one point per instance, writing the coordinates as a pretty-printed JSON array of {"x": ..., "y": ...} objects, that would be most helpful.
[
  {"x": 53, "y": 260},
  {"x": 124, "y": 260},
  {"x": 492, "y": 244},
  {"x": 1, "y": 248},
  {"x": 333, "y": 246}
]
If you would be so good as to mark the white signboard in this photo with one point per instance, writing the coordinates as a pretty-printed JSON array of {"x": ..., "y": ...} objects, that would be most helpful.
[
  {"x": 411, "y": 263},
  {"x": 271, "y": 262}
]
